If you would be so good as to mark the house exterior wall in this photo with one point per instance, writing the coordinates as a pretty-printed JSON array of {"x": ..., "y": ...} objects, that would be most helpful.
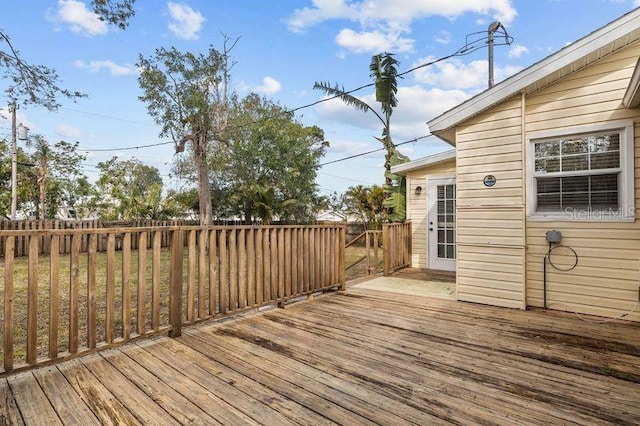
[
  {"x": 490, "y": 221},
  {"x": 417, "y": 208},
  {"x": 605, "y": 281},
  {"x": 500, "y": 249}
]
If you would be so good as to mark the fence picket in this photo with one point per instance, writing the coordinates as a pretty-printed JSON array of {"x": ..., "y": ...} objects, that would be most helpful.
[
  {"x": 155, "y": 280},
  {"x": 213, "y": 272},
  {"x": 242, "y": 269},
  {"x": 251, "y": 267},
  {"x": 142, "y": 277},
  {"x": 224, "y": 276},
  {"x": 54, "y": 280},
  {"x": 92, "y": 251},
  {"x": 110, "y": 291},
  {"x": 9, "y": 256},
  {"x": 191, "y": 275},
  {"x": 126, "y": 289},
  {"x": 74, "y": 279},
  {"x": 202, "y": 272}
]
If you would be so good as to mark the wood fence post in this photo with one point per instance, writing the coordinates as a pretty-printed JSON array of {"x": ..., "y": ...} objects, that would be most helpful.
[
  {"x": 409, "y": 244},
  {"x": 386, "y": 252},
  {"x": 342, "y": 242},
  {"x": 175, "y": 290}
]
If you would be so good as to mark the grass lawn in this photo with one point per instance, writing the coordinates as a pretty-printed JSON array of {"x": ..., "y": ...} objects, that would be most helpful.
[
  {"x": 353, "y": 254},
  {"x": 20, "y": 299}
]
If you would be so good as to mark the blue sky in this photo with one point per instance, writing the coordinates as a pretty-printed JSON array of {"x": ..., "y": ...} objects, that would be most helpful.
[{"x": 285, "y": 46}]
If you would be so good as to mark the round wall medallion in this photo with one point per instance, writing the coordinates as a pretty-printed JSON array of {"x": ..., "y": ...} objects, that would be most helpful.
[{"x": 489, "y": 181}]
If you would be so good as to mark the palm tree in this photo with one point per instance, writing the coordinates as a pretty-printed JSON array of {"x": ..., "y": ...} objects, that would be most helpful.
[{"x": 385, "y": 74}]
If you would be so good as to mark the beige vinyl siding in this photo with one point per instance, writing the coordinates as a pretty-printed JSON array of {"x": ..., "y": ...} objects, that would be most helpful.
[
  {"x": 605, "y": 281},
  {"x": 417, "y": 207},
  {"x": 490, "y": 221}
]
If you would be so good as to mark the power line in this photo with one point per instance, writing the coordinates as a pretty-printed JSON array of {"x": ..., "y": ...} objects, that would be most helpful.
[
  {"x": 125, "y": 148},
  {"x": 362, "y": 154},
  {"x": 345, "y": 178},
  {"x": 108, "y": 116}
]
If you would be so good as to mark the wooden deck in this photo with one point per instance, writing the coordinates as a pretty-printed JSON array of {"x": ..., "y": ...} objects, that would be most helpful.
[{"x": 358, "y": 358}]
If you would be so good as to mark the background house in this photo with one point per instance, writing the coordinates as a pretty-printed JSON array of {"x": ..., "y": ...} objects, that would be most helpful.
[{"x": 553, "y": 147}]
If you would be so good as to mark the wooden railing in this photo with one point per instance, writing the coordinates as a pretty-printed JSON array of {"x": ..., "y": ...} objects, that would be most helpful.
[
  {"x": 59, "y": 306},
  {"x": 21, "y": 246},
  {"x": 396, "y": 240},
  {"x": 370, "y": 241}
]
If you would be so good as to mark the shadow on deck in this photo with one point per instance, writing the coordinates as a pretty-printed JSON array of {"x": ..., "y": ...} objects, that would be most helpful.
[
  {"x": 358, "y": 357},
  {"x": 426, "y": 275}
]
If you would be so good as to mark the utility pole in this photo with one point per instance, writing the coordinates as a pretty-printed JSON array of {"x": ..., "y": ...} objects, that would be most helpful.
[
  {"x": 14, "y": 161},
  {"x": 492, "y": 29}
]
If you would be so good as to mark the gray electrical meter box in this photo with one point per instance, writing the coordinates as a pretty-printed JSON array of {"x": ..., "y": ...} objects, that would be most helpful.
[{"x": 554, "y": 236}]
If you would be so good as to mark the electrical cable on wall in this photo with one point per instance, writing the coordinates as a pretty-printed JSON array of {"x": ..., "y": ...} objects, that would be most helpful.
[{"x": 554, "y": 238}]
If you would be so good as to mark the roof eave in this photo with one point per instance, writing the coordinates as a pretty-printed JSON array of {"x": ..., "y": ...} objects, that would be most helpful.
[
  {"x": 431, "y": 160},
  {"x": 513, "y": 85}
]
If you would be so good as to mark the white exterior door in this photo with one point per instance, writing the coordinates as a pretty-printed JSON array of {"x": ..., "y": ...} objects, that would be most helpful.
[{"x": 441, "y": 230}]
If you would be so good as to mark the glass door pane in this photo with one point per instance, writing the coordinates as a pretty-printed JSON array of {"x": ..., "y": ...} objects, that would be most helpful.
[{"x": 446, "y": 223}]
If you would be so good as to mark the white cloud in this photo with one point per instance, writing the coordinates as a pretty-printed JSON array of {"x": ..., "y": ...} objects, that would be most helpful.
[
  {"x": 80, "y": 19},
  {"x": 69, "y": 132},
  {"x": 455, "y": 74},
  {"x": 416, "y": 105},
  {"x": 185, "y": 22},
  {"x": 335, "y": 111},
  {"x": 371, "y": 11},
  {"x": 373, "y": 41},
  {"x": 21, "y": 118},
  {"x": 387, "y": 23},
  {"x": 517, "y": 50},
  {"x": 324, "y": 10},
  {"x": 350, "y": 147},
  {"x": 109, "y": 65},
  {"x": 443, "y": 37},
  {"x": 636, "y": 3},
  {"x": 269, "y": 86}
]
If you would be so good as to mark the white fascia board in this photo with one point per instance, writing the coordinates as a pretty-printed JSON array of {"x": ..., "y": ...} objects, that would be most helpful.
[
  {"x": 403, "y": 169},
  {"x": 632, "y": 95},
  {"x": 538, "y": 71}
]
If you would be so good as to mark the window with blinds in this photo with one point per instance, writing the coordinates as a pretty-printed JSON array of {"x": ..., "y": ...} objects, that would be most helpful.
[{"x": 578, "y": 172}]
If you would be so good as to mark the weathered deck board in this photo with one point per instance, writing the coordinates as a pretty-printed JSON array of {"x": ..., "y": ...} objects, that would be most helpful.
[
  {"x": 67, "y": 403},
  {"x": 146, "y": 410},
  {"x": 96, "y": 395},
  {"x": 31, "y": 400},
  {"x": 363, "y": 357},
  {"x": 9, "y": 413},
  {"x": 443, "y": 366}
]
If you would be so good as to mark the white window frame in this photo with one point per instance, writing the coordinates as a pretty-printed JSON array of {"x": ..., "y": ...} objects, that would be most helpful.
[{"x": 626, "y": 194}]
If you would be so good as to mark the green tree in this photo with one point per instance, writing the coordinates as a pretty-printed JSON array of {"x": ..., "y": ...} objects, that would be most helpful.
[
  {"x": 366, "y": 203},
  {"x": 129, "y": 189},
  {"x": 269, "y": 163},
  {"x": 383, "y": 70},
  {"x": 41, "y": 85},
  {"x": 55, "y": 169},
  {"x": 26, "y": 182},
  {"x": 188, "y": 96},
  {"x": 48, "y": 177},
  {"x": 83, "y": 198}
]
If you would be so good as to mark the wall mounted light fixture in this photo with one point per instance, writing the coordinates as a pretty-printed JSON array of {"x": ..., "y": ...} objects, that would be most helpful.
[{"x": 418, "y": 190}]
